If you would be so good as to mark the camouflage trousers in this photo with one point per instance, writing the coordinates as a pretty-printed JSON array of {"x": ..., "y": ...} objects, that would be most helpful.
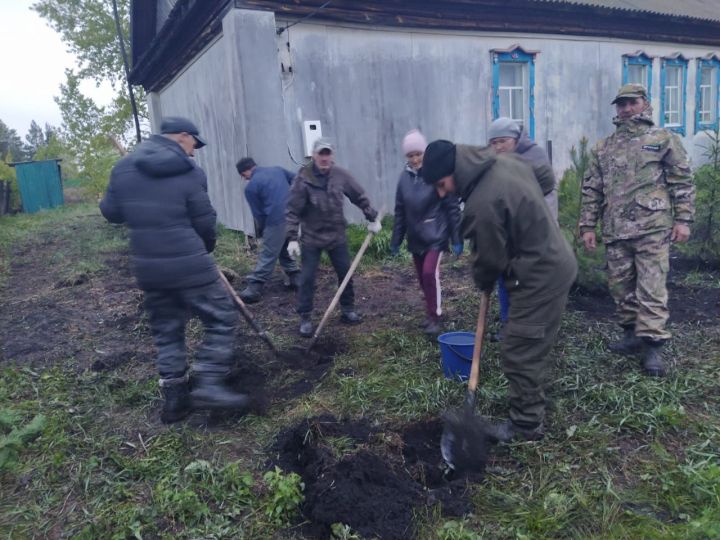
[{"x": 637, "y": 277}]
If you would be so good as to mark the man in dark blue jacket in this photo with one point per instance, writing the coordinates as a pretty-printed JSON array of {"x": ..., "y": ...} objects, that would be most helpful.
[
  {"x": 267, "y": 194},
  {"x": 161, "y": 195}
]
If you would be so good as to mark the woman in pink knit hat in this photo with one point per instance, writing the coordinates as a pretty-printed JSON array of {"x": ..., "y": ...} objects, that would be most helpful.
[{"x": 428, "y": 222}]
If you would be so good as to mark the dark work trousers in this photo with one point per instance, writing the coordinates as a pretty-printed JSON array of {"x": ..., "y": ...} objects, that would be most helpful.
[
  {"x": 427, "y": 267},
  {"x": 170, "y": 309},
  {"x": 527, "y": 339},
  {"x": 274, "y": 248},
  {"x": 340, "y": 259}
]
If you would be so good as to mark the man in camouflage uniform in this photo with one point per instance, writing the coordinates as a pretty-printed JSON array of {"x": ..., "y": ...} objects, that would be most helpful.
[{"x": 639, "y": 183}]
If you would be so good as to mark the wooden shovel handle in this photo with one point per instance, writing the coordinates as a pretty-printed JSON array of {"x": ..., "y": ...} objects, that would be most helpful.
[
  {"x": 246, "y": 312},
  {"x": 479, "y": 335},
  {"x": 341, "y": 288}
]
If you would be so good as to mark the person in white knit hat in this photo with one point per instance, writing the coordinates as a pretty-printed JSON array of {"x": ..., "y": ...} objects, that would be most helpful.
[{"x": 428, "y": 222}]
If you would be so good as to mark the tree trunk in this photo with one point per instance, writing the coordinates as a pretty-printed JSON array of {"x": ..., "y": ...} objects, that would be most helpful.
[{"x": 4, "y": 197}]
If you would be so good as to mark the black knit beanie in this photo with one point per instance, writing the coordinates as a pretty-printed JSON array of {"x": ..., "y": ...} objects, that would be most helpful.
[{"x": 438, "y": 161}]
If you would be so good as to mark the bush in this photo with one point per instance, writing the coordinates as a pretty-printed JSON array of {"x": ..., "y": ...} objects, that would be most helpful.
[
  {"x": 704, "y": 240},
  {"x": 591, "y": 274}
]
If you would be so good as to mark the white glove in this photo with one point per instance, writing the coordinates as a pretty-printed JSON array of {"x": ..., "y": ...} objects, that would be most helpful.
[
  {"x": 293, "y": 249},
  {"x": 374, "y": 226}
]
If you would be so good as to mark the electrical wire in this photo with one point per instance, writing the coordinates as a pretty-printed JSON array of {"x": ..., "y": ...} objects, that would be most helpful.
[{"x": 287, "y": 27}]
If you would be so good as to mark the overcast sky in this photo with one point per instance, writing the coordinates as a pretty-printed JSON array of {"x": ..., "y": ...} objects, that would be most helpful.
[{"x": 33, "y": 67}]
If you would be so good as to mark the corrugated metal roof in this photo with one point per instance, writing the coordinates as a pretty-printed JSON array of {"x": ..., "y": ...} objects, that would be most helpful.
[{"x": 698, "y": 9}]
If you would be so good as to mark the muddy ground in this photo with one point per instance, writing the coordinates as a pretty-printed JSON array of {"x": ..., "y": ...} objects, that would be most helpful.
[{"x": 372, "y": 478}]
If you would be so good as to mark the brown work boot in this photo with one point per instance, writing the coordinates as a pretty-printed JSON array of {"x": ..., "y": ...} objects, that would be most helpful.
[{"x": 629, "y": 344}]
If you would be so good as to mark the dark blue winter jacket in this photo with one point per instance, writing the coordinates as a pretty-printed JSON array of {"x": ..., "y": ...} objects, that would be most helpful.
[
  {"x": 427, "y": 220},
  {"x": 267, "y": 194},
  {"x": 161, "y": 195}
]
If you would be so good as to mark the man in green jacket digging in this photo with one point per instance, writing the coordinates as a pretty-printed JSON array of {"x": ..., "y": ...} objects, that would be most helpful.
[{"x": 512, "y": 234}]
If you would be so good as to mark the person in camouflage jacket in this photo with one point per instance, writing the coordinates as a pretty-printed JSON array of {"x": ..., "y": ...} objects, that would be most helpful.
[{"x": 639, "y": 184}]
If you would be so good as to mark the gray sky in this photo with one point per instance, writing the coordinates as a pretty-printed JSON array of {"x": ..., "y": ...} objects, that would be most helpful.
[{"x": 33, "y": 67}]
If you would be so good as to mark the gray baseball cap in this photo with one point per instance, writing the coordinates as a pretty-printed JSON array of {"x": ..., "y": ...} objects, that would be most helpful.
[{"x": 323, "y": 143}]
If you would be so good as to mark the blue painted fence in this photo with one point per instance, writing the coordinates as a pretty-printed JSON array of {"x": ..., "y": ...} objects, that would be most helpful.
[{"x": 40, "y": 184}]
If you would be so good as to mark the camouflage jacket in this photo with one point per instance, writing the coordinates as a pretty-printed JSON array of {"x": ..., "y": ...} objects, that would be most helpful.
[{"x": 638, "y": 181}]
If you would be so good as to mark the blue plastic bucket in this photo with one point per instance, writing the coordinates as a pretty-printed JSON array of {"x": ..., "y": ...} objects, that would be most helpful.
[{"x": 456, "y": 349}]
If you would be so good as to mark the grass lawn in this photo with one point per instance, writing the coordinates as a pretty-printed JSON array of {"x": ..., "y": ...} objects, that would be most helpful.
[{"x": 83, "y": 454}]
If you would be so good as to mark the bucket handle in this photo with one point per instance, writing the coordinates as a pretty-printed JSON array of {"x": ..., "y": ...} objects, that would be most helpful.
[{"x": 457, "y": 353}]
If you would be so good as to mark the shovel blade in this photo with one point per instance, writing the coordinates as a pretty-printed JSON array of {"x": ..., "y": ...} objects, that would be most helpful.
[{"x": 464, "y": 443}]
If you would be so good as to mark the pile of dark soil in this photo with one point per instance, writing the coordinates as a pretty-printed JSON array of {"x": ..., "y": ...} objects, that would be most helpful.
[{"x": 373, "y": 480}]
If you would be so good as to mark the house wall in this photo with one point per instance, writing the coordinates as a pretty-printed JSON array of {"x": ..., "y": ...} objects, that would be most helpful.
[{"x": 368, "y": 87}]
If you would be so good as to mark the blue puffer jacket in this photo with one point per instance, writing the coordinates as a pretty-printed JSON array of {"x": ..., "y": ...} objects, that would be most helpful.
[
  {"x": 427, "y": 220},
  {"x": 267, "y": 195},
  {"x": 161, "y": 195}
]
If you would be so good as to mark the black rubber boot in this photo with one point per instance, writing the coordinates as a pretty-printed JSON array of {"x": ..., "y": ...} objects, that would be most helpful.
[
  {"x": 508, "y": 430},
  {"x": 350, "y": 316},
  {"x": 653, "y": 364},
  {"x": 210, "y": 393},
  {"x": 252, "y": 293},
  {"x": 177, "y": 399},
  {"x": 306, "y": 326},
  {"x": 629, "y": 344}
]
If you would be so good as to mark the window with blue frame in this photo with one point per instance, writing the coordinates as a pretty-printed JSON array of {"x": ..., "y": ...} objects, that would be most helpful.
[
  {"x": 637, "y": 68},
  {"x": 513, "y": 86},
  {"x": 707, "y": 97},
  {"x": 673, "y": 80}
]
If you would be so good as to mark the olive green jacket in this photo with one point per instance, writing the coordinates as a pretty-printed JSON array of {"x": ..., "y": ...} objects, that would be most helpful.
[
  {"x": 511, "y": 230},
  {"x": 638, "y": 181}
]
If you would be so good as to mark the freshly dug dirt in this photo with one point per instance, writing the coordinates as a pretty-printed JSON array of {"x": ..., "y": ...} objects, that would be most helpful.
[{"x": 371, "y": 479}]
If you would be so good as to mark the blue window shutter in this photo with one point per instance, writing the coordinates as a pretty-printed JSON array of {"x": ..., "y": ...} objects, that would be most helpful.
[
  {"x": 496, "y": 88},
  {"x": 682, "y": 64},
  {"x": 638, "y": 60},
  {"x": 517, "y": 56},
  {"x": 711, "y": 63},
  {"x": 531, "y": 105}
]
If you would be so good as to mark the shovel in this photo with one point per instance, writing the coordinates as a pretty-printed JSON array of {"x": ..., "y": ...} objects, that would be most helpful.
[
  {"x": 340, "y": 290},
  {"x": 246, "y": 313},
  {"x": 464, "y": 440}
]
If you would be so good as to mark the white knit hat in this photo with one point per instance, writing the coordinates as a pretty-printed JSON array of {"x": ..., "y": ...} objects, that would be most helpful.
[{"x": 414, "y": 141}]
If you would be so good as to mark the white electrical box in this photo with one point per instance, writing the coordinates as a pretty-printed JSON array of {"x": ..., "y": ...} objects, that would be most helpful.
[{"x": 312, "y": 131}]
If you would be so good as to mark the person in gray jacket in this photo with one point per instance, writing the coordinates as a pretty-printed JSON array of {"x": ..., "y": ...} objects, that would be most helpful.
[{"x": 505, "y": 136}]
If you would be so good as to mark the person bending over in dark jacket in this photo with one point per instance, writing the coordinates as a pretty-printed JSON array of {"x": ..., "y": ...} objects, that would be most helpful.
[
  {"x": 428, "y": 221},
  {"x": 267, "y": 194},
  {"x": 161, "y": 195},
  {"x": 512, "y": 234},
  {"x": 316, "y": 202}
]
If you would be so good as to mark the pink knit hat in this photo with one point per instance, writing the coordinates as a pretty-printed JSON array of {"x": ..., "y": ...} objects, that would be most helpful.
[{"x": 414, "y": 141}]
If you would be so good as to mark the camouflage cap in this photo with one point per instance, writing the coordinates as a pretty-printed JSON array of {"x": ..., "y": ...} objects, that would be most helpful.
[{"x": 629, "y": 91}]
